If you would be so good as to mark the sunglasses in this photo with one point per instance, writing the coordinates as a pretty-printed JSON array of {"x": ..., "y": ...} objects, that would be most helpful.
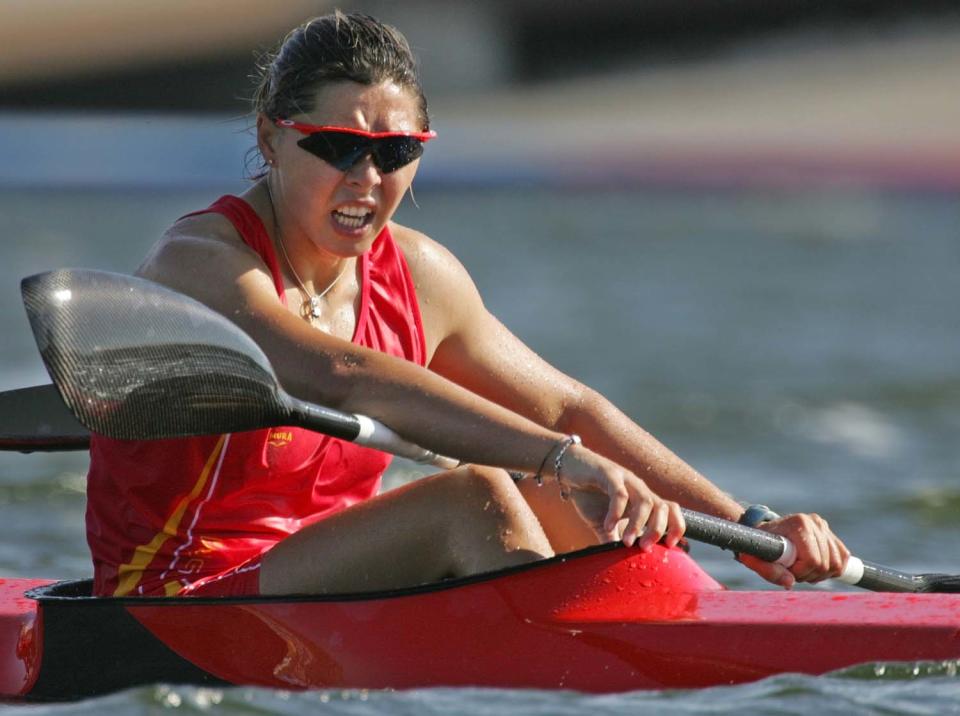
[{"x": 343, "y": 147}]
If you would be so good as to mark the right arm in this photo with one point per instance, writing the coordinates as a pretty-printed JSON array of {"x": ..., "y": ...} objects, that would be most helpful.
[{"x": 418, "y": 404}]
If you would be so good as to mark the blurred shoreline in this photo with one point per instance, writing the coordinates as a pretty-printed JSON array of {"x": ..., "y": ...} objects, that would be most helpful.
[{"x": 838, "y": 110}]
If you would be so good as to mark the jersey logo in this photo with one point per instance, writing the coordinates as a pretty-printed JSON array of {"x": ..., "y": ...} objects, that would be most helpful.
[{"x": 280, "y": 438}]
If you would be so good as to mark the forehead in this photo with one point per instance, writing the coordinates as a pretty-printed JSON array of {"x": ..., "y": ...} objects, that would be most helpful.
[{"x": 378, "y": 108}]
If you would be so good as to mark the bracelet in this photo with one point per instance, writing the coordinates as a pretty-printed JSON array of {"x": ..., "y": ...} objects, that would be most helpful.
[
  {"x": 560, "y": 448},
  {"x": 756, "y": 515},
  {"x": 573, "y": 439}
]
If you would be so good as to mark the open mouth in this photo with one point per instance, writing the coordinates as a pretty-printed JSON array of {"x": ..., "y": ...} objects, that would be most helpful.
[{"x": 353, "y": 217}]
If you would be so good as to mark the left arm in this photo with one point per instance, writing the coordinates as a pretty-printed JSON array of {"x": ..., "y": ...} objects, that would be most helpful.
[{"x": 471, "y": 347}]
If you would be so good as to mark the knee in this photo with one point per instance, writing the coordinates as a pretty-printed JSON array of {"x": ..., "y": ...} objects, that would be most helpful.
[
  {"x": 492, "y": 525},
  {"x": 491, "y": 492},
  {"x": 489, "y": 485}
]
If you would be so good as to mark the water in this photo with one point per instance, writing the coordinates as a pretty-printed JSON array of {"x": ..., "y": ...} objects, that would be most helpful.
[{"x": 800, "y": 349}]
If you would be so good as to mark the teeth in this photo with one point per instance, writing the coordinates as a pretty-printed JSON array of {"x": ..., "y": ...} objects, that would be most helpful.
[
  {"x": 350, "y": 222},
  {"x": 354, "y": 211},
  {"x": 352, "y": 217}
]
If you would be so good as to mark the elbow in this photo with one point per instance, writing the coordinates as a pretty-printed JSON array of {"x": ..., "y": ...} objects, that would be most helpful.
[
  {"x": 330, "y": 380},
  {"x": 339, "y": 382},
  {"x": 579, "y": 404}
]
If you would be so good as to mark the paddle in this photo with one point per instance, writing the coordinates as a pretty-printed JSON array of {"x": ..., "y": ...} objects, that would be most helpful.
[
  {"x": 774, "y": 548},
  {"x": 35, "y": 420},
  {"x": 135, "y": 360}
]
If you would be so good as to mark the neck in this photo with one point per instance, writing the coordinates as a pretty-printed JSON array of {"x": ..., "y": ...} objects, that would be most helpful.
[{"x": 313, "y": 270}]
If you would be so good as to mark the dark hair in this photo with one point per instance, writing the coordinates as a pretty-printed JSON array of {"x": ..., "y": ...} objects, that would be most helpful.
[{"x": 334, "y": 48}]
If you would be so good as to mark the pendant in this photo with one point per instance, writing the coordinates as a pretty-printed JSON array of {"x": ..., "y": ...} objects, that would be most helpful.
[{"x": 311, "y": 307}]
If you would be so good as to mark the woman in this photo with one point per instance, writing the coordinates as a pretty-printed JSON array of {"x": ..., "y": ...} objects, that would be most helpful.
[{"x": 368, "y": 316}]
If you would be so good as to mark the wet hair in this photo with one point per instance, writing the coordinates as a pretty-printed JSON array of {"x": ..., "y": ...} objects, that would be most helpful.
[{"x": 334, "y": 48}]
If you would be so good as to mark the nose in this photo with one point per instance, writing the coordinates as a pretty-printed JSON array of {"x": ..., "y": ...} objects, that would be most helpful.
[{"x": 364, "y": 173}]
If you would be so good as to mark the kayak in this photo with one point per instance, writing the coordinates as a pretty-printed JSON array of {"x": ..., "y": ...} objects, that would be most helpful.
[{"x": 604, "y": 619}]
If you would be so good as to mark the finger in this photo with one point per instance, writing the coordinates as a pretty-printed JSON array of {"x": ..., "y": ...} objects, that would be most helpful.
[
  {"x": 820, "y": 569},
  {"x": 771, "y": 571},
  {"x": 843, "y": 551},
  {"x": 837, "y": 560},
  {"x": 638, "y": 512},
  {"x": 676, "y": 525},
  {"x": 805, "y": 538},
  {"x": 839, "y": 554},
  {"x": 829, "y": 546},
  {"x": 656, "y": 525},
  {"x": 618, "y": 505}
]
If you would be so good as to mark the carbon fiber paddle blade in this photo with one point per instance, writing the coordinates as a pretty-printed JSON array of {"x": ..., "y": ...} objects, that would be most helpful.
[{"x": 134, "y": 360}]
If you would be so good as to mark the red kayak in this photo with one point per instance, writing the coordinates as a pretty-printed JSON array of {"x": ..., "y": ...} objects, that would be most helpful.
[{"x": 601, "y": 620}]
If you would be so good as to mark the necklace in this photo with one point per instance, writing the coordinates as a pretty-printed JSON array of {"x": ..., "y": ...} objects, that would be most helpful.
[{"x": 310, "y": 308}]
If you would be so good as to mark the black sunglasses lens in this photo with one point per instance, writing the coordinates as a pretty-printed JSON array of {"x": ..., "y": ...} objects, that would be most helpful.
[
  {"x": 339, "y": 149},
  {"x": 342, "y": 150},
  {"x": 391, "y": 153}
]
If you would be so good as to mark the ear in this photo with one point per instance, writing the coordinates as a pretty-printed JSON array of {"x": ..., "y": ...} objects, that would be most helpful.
[{"x": 267, "y": 137}]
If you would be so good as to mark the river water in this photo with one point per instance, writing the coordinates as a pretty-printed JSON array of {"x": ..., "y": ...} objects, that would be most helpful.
[{"x": 800, "y": 348}]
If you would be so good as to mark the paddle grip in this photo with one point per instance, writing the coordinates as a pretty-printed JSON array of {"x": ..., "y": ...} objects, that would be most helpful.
[
  {"x": 775, "y": 548},
  {"x": 735, "y": 537}
]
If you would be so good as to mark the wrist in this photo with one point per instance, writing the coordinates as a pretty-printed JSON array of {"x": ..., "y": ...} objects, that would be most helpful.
[{"x": 553, "y": 461}]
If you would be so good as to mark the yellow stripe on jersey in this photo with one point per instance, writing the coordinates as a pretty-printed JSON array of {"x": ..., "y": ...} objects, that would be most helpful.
[{"x": 129, "y": 574}]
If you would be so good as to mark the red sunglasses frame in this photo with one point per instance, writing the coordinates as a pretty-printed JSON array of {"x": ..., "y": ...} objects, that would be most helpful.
[{"x": 317, "y": 128}]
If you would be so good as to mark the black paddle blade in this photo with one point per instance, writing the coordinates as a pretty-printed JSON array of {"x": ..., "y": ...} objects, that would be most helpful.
[
  {"x": 35, "y": 420},
  {"x": 134, "y": 360}
]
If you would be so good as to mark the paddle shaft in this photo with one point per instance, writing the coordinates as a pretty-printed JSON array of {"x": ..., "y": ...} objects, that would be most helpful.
[
  {"x": 364, "y": 431},
  {"x": 35, "y": 419},
  {"x": 776, "y": 548}
]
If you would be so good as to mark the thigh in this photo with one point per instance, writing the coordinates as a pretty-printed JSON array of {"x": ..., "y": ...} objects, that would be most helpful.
[
  {"x": 453, "y": 523},
  {"x": 561, "y": 522}
]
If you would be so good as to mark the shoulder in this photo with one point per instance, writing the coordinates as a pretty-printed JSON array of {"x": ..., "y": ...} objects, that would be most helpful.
[
  {"x": 432, "y": 265},
  {"x": 449, "y": 300},
  {"x": 197, "y": 249}
]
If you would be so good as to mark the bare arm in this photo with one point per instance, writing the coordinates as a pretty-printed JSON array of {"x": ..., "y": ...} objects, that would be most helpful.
[
  {"x": 203, "y": 258},
  {"x": 420, "y": 405},
  {"x": 477, "y": 351}
]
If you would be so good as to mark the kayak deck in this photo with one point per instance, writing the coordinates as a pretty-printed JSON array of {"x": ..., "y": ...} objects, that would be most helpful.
[{"x": 600, "y": 620}]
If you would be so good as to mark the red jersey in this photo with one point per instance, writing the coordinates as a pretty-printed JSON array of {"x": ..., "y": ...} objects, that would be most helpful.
[{"x": 162, "y": 515}]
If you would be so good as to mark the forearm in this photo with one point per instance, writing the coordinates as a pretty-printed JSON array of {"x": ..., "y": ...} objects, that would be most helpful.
[
  {"x": 606, "y": 430},
  {"x": 422, "y": 407}
]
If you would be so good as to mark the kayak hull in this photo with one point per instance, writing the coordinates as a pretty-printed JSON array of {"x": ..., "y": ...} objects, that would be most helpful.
[{"x": 602, "y": 620}]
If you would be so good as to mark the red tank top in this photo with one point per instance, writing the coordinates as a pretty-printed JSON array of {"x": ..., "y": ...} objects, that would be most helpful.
[{"x": 164, "y": 514}]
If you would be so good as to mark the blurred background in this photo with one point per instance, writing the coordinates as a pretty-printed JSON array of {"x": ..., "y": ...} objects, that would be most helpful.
[
  {"x": 737, "y": 219},
  {"x": 699, "y": 93}
]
